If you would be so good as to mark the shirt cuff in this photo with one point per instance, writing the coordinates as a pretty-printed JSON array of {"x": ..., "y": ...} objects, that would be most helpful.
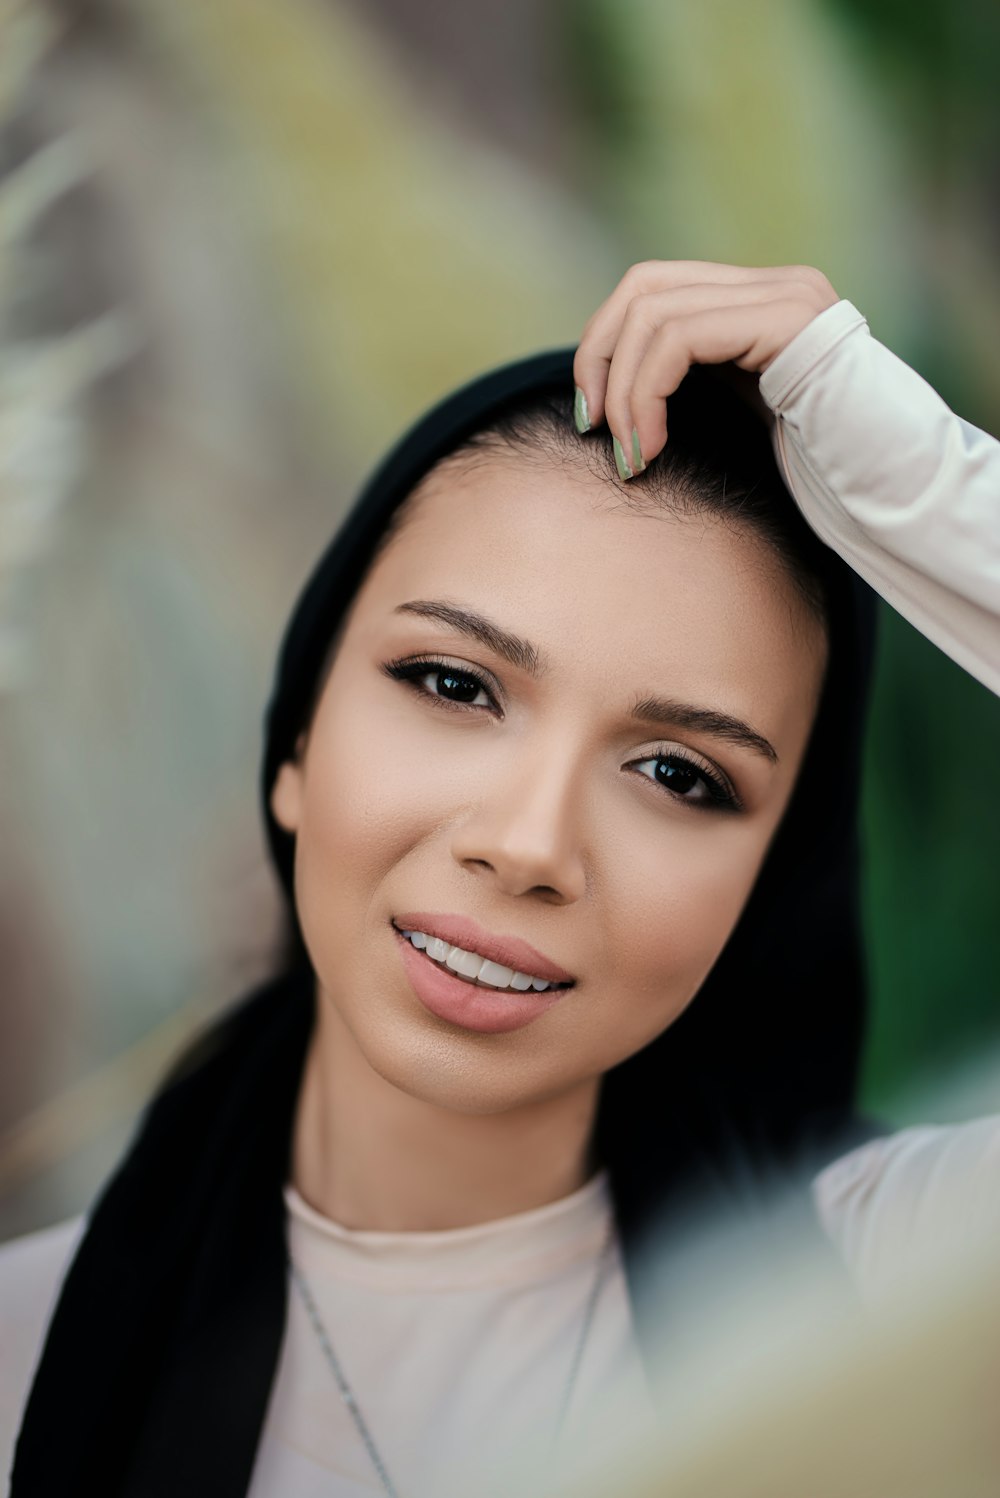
[{"x": 807, "y": 349}]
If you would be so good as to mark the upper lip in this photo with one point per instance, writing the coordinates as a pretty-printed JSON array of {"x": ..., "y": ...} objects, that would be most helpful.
[{"x": 463, "y": 931}]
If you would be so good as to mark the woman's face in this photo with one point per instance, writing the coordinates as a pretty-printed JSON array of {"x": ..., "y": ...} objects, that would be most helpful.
[{"x": 568, "y": 723}]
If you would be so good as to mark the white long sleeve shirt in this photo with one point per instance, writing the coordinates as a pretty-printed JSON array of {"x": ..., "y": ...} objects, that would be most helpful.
[
  {"x": 907, "y": 493},
  {"x": 903, "y": 489}
]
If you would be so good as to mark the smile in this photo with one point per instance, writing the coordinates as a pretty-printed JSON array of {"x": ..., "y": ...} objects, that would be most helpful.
[{"x": 474, "y": 968}]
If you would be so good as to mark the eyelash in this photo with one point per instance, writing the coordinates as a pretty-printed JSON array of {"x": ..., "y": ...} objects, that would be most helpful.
[{"x": 720, "y": 794}]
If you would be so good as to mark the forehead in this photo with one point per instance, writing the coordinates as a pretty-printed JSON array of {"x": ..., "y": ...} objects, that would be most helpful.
[{"x": 616, "y": 597}]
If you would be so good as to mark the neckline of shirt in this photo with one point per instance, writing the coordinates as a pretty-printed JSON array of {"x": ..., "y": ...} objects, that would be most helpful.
[{"x": 525, "y": 1248}]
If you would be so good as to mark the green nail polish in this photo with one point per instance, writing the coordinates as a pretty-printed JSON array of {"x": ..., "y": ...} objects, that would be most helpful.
[
  {"x": 637, "y": 464},
  {"x": 624, "y": 471},
  {"x": 581, "y": 415}
]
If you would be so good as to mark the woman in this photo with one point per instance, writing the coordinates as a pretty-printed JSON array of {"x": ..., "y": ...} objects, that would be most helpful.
[{"x": 551, "y": 753}]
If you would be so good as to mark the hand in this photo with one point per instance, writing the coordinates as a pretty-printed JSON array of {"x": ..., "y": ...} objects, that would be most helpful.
[{"x": 664, "y": 316}]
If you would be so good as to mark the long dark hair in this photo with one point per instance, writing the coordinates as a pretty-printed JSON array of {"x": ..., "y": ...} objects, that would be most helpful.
[{"x": 160, "y": 1356}]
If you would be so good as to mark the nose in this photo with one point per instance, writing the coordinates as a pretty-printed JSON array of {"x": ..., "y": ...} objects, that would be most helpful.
[{"x": 526, "y": 832}]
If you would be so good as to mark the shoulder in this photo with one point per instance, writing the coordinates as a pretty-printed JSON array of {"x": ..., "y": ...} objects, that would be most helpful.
[
  {"x": 31, "y": 1273},
  {"x": 895, "y": 1203}
]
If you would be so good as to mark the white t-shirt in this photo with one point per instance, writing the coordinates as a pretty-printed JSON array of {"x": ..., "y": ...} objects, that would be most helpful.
[
  {"x": 449, "y": 1339},
  {"x": 898, "y": 1205},
  {"x": 458, "y": 1346}
]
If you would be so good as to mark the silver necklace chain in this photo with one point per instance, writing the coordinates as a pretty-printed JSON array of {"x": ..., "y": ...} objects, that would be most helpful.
[
  {"x": 350, "y": 1400},
  {"x": 346, "y": 1392}
]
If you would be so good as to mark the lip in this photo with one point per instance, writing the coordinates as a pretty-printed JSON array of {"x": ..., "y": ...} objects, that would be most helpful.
[
  {"x": 450, "y": 998},
  {"x": 463, "y": 931}
]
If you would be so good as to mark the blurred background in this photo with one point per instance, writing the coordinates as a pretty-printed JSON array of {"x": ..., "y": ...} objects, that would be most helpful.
[{"x": 242, "y": 243}]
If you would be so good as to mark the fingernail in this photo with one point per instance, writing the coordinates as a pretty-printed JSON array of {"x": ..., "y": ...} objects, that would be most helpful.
[
  {"x": 637, "y": 464},
  {"x": 580, "y": 413},
  {"x": 624, "y": 471}
]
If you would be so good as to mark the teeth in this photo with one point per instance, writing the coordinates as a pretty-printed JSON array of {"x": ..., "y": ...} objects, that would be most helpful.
[
  {"x": 465, "y": 964},
  {"x": 473, "y": 966},
  {"x": 495, "y": 975}
]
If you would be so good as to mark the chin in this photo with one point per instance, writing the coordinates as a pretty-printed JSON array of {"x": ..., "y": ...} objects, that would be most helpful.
[{"x": 440, "y": 1066}]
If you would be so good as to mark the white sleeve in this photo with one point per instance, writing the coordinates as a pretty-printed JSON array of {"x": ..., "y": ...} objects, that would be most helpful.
[
  {"x": 897, "y": 1207},
  {"x": 889, "y": 477}
]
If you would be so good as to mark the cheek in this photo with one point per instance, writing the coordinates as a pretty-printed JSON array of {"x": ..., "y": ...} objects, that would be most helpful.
[
  {"x": 672, "y": 904},
  {"x": 348, "y": 826},
  {"x": 371, "y": 796}
]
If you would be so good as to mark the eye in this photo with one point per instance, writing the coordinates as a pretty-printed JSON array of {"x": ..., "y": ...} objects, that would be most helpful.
[
  {"x": 690, "y": 780},
  {"x": 456, "y": 686}
]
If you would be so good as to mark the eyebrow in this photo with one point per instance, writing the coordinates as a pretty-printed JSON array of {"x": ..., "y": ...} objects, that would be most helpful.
[
  {"x": 520, "y": 653},
  {"x": 664, "y": 711},
  {"x": 672, "y": 714}
]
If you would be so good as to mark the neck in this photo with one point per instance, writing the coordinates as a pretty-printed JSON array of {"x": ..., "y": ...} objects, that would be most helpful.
[{"x": 368, "y": 1155}]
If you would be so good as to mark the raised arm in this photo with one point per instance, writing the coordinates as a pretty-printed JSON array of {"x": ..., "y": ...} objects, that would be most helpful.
[{"x": 903, "y": 489}]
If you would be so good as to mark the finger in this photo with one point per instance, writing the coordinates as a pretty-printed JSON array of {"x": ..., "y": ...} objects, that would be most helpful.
[
  {"x": 649, "y": 276},
  {"x": 643, "y": 319},
  {"x": 713, "y": 336},
  {"x": 601, "y": 331},
  {"x": 603, "y": 328}
]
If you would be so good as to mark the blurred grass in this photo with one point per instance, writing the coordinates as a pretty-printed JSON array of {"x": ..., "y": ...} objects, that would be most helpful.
[{"x": 402, "y": 256}]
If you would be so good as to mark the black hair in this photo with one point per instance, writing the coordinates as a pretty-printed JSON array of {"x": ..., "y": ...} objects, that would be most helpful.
[{"x": 718, "y": 461}]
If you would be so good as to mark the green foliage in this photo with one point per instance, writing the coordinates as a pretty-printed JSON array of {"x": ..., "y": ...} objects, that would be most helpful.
[{"x": 932, "y": 825}]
